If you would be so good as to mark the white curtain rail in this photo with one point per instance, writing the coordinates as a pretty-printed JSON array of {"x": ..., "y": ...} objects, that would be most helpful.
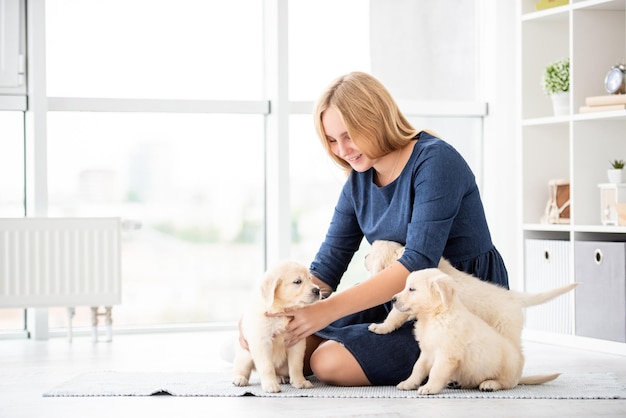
[
  {"x": 410, "y": 108},
  {"x": 260, "y": 107},
  {"x": 157, "y": 106}
]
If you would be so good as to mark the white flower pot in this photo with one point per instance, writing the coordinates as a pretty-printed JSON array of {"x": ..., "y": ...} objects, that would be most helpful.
[
  {"x": 615, "y": 175},
  {"x": 560, "y": 103}
]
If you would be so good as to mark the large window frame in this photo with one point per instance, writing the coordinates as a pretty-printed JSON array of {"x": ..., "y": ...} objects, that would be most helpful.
[{"x": 276, "y": 109}]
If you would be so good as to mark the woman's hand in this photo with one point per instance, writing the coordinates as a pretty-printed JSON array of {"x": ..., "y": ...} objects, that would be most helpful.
[{"x": 305, "y": 321}]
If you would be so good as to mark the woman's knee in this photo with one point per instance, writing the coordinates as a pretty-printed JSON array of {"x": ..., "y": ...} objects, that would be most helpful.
[{"x": 333, "y": 364}]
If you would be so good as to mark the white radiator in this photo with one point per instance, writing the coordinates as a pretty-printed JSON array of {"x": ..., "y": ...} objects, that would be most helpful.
[{"x": 67, "y": 262}]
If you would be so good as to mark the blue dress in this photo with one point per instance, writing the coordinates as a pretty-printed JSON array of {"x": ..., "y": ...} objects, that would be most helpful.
[{"x": 434, "y": 209}]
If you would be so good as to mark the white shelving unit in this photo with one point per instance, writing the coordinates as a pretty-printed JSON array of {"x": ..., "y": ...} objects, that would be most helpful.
[{"x": 578, "y": 147}]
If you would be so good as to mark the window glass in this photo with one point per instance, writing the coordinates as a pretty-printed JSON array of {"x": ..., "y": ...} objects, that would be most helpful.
[
  {"x": 316, "y": 57},
  {"x": 11, "y": 164},
  {"x": 327, "y": 38},
  {"x": 11, "y": 191},
  {"x": 194, "y": 182},
  {"x": 426, "y": 50},
  {"x": 316, "y": 182},
  {"x": 158, "y": 49}
]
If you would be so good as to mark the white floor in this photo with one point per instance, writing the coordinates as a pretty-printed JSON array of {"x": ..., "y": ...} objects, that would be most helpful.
[{"x": 29, "y": 368}]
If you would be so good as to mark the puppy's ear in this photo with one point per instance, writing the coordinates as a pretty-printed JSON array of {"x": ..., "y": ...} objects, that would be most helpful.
[
  {"x": 368, "y": 267},
  {"x": 268, "y": 289},
  {"x": 442, "y": 287}
]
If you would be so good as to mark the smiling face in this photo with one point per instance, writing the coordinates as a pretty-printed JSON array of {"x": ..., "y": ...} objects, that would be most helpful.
[{"x": 340, "y": 142}]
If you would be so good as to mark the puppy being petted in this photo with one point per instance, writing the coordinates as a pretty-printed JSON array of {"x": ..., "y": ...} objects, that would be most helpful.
[{"x": 285, "y": 286}]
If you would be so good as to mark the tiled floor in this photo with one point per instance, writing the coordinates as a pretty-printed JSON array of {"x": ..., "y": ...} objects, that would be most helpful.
[{"x": 28, "y": 368}]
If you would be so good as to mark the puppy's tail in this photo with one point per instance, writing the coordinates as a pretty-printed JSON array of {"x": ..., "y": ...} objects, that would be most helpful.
[
  {"x": 537, "y": 379},
  {"x": 531, "y": 299}
]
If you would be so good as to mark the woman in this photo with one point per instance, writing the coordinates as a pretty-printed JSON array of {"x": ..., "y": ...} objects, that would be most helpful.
[{"x": 404, "y": 186}]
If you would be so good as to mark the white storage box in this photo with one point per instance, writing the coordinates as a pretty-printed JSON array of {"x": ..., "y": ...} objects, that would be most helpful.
[
  {"x": 600, "y": 267},
  {"x": 546, "y": 265}
]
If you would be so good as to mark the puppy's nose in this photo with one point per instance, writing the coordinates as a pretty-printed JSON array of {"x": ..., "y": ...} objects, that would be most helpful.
[
  {"x": 394, "y": 299},
  {"x": 316, "y": 291}
]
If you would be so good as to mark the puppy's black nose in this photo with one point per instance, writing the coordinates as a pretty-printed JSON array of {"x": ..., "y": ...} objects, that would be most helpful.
[
  {"x": 316, "y": 291},
  {"x": 394, "y": 300}
]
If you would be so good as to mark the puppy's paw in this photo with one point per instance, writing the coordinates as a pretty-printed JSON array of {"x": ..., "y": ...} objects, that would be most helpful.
[
  {"x": 240, "y": 381},
  {"x": 270, "y": 387},
  {"x": 489, "y": 386},
  {"x": 454, "y": 385},
  {"x": 302, "y": 384},
  {"x": 407, "y": 385},
  {"x": 427, "y": 390},
  {"x": 380, "y": 328}
]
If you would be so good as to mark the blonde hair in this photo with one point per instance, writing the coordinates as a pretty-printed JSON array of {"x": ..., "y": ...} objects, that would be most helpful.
[{"x": 372, "y": 117}]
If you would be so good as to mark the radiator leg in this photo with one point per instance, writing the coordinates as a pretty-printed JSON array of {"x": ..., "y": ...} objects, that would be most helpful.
[
  {"x": 94, "y": 324},
  {"x": 108, "y": 321},
  {"x": 71, "y": 311}
]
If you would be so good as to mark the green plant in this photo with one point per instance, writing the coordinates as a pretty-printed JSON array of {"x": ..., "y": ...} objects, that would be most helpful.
[
  {"x": 556, "y": 77},
  {"x": 617, "y": 164}
]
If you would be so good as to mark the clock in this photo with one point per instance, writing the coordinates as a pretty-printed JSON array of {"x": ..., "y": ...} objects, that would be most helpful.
[{"x": 615, "y": 80}]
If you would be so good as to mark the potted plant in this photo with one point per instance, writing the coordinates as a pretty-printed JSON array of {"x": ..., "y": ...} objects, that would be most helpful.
[
  {"x": 616, "y": 172},
  {"x": 556, "y": 85}
]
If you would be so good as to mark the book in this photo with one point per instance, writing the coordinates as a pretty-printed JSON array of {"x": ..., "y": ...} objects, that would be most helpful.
[
  {"x": 601, "y": 108},
  {"x": 609, "y": 99},
  {"x": 547, "y": 4}
]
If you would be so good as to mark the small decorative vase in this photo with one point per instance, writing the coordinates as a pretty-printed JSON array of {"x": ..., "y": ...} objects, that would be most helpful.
[
  {"x": 616, "y": 176},
  {"x": 560, "y": 103}
]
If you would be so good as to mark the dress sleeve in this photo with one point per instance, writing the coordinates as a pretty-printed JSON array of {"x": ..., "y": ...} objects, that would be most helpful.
[
  {"x": 342, "y": 240},
  {"x": 441, "y": 179}
]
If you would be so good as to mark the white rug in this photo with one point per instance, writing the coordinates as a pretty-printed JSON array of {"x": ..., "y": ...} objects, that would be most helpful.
[{"x": 567, "y": 386}]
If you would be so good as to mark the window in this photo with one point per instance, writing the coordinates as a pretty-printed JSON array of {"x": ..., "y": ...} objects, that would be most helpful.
[
  {"x": 129, "y": 133},
  {"x": 155, "y": 49},
  {"x": 11, "y": 164},
  {"x": 327, "y": 38},
  {"x": 194, "y": 184},
  {"x": 194, "y": 181},
  {"x": 11, "y": 190},
  {"x": 314, "y": 62}
]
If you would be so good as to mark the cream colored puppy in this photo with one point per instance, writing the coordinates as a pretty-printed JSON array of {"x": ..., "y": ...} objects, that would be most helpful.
[
  {"x": 456, "y": 345},
  {"x": 499, "y": 307},
  {"x": 287, "y": 285}
]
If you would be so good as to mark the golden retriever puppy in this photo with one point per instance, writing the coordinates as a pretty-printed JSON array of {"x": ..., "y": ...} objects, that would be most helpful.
[
  {"x": 499, "y": 307},
  {"x": 287, "y": 285},
  {"x": 456, "y": 345}
]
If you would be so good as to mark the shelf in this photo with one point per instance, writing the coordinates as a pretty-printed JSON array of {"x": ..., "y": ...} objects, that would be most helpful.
[
  {"x": 560, "y": 12},
  {"x": 553, "y": 13},
  {"x": 577, "y": 147},
  {"x": 599, "y": 229},
  {"x": 613, "y": 115},
  {"x": 548, "y": 227},
  {"x": 548, "y": 120},
  {"x": 615, "y": 5},
  {"x": 564, "y": 120}
]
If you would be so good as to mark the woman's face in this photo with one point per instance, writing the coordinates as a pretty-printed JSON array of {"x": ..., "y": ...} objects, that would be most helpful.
[{"x": 341, "y": 144}]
